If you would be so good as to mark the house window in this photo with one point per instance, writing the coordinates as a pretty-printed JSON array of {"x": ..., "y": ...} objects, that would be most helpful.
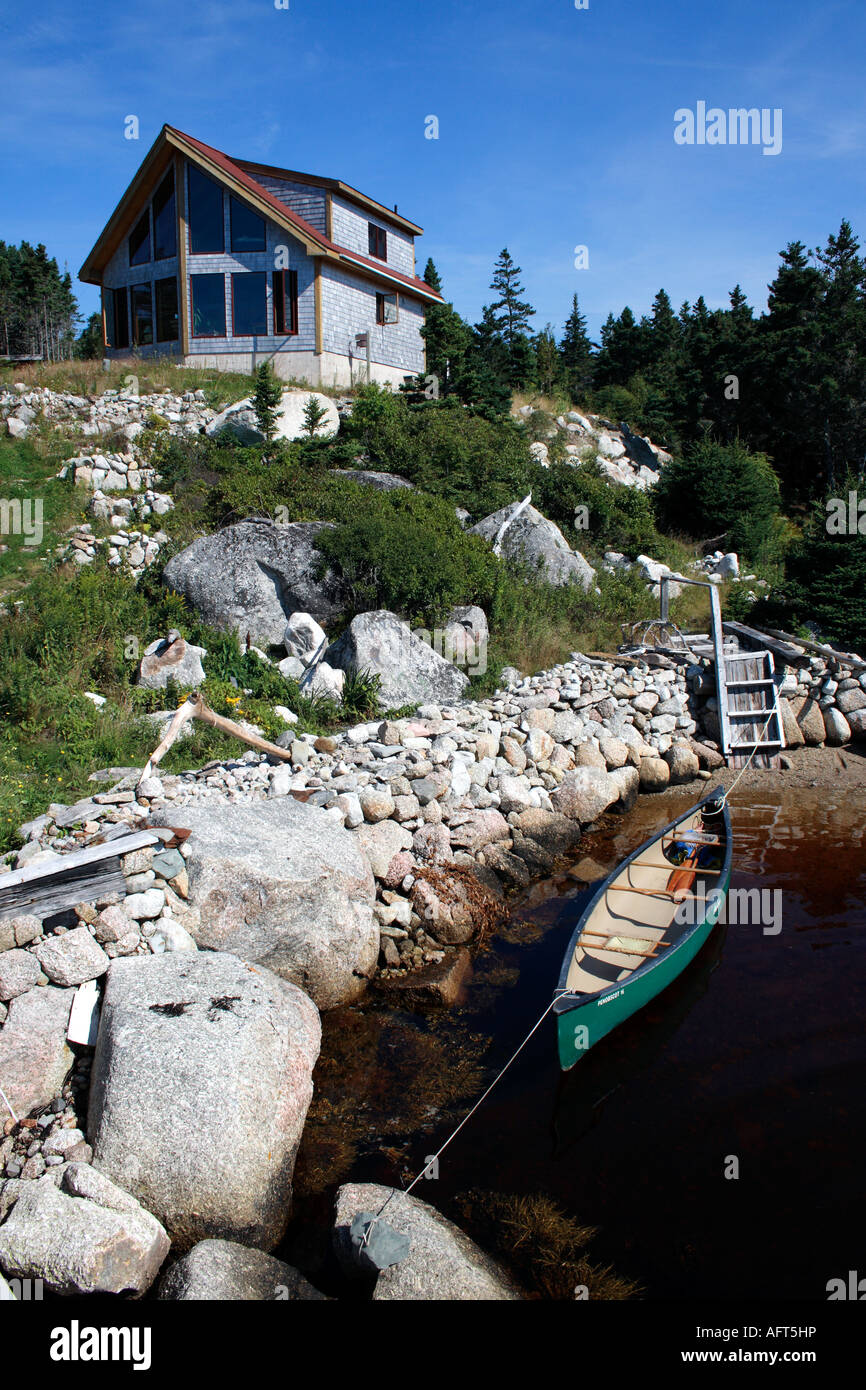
[
  {"x": 285, "y": 284},
  {"x": 120, "y": 315},
  {"x": 142, "y": 315},
  {"x": 206, "y": 229},
  {"x": 386, "y": 308},
  {"x": 208, "y": 306},
  {"x": 248, "y": 229},
  {"x": 249, "y": 304},
  {"x": 378, "y": 241},
  {"x": 164, "y": 220},
  {"x": 166, "y": 310},
  {"x": 139, "y": 240}
]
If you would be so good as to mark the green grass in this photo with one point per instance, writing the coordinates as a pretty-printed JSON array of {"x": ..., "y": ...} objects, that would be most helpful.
[{"x": 27, "y": 476}]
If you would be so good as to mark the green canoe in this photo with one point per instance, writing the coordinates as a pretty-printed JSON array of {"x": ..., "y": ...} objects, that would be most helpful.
[{"x": 643, "y": 925}]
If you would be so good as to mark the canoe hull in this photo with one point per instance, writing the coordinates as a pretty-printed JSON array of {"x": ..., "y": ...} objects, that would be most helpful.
[
  {"x": 583, "y": 1020},
  {"x": 583, "y": 1026}
]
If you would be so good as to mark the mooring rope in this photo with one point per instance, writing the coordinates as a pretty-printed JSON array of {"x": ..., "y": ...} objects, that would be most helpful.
[
  {"x": 8, "y": 1106},
  {"x": 727, "y": 795},
  {"x": 468, "y": 1116}
]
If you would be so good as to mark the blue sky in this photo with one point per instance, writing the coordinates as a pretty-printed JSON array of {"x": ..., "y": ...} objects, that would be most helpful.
[{"x": 555, "y": 127}]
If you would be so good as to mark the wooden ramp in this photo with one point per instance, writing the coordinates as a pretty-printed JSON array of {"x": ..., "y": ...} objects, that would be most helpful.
[
  {"x": 750, "y": 720},
  {"x": 749, "y": 710},
  {"x": 749, "y": 714}
]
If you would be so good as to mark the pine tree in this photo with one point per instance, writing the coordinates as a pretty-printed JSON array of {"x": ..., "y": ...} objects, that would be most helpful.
[
  {"x": 266, "y": 399},
  {"x": 431, "y": 276},
  {"x": 511, "y": 315},
  {"x": 548, "y": 366},
  {"x": 576, "y": 354}
]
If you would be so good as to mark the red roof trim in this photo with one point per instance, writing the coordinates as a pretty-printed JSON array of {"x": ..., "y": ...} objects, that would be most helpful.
[{"x": 306, "y": 229}]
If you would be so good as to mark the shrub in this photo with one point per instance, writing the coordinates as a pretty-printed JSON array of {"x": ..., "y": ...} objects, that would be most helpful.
[
  {"x": 406, "y": 551},
  {"x": 442, "y": 446},
  {"x": 620, "y": 518},
  {"x": 720, "y": 488}
]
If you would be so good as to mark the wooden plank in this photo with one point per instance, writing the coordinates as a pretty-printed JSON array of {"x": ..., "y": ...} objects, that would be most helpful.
[
  {"x": 319, "y": 336},
  {"x": 47, "y": 897},
  {"x": 80, "y": 858},
  {"x": 719, "y": 649},
  {"x": 843, "y": 658},
  {"x": 182, "y": 238},
  {"x": 783, "y": 650}
]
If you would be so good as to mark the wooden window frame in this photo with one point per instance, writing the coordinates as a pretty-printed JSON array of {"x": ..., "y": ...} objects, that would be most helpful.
[
  {"x": 279, "y": 284},
  {"x": 173, "y": 195},
  {"x": 200, "y": 275},
  {"x": 247, "y": 250},
  {"x": 145, "y": 217},
  {"x": 381, "y": 296},
  {"x": 191, "y": 170},
  {"x": 165, "y": 280},
  {"x": 374, "y": 233},
  {"x": 245, "y": 273},
  {"x": 142, "y": 285},
  {"x": 121, "y": 292}
]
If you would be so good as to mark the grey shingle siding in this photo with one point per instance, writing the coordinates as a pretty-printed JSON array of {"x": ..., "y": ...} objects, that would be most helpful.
[
  {"x": 349, "y": 308},
  {"x": 349, "y": 229},
  {"x": 306, "y": 201}
]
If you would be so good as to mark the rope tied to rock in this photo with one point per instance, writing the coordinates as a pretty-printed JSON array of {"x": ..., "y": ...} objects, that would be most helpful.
[{"x": 433, "y": 1158}]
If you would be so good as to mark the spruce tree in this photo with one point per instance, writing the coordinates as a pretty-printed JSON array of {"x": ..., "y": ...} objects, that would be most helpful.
[
  {"x": 266, "y": 399},
  {"x": 575, "y": 352},
  {"x": 511, "y": 315}
]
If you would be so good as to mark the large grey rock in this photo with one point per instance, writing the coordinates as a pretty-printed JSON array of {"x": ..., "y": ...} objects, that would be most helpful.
[
  {"x": 34, "y": 1055},
  {"x": 638, "y": 449},
  {"x": 837, "y": 730},
  {"x": 857, "y": 722},
  {"x": 252, "y": 576},
  {"x": 585, "y": 793},
  {"x": 368, "y": 477},
  {"x": 90, "y": 1236},
  {"x": 200, "y": 1086},
  {"x": 380, "y": 842},
  {"x": 848, "y": 701},
  {"x": 793, "y": 733},
  {"x": 465, "y": 637},
  {"x": 304, "y": 638},
  {"x": 240, "y": 419},
  {"x": 72, "y": 958},
  {"x": 442, "y": 1262},
  {"x": 179, "y": 661},
  {"x": 536, "y": 541},
  {"x": 411, "y": 671},
  {"x": 290, "y": 416},
  {"x": 19, "y": 971},
  {"x": 281, "y": 884},
  {"x": 223, "y": 1271},
  {"x": 19, "y": 931}
]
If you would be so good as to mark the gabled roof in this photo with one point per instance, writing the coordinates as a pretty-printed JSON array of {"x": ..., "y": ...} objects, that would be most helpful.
[
  {"x": 345, "y": 190},
  {"x": 238, "y": 179}
]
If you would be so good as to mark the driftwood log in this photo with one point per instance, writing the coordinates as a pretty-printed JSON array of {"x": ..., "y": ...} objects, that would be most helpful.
[{"x": 195, "y": 708}]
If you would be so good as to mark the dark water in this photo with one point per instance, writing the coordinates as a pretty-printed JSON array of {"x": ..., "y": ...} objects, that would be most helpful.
[{"x": 756, "y": 1053}]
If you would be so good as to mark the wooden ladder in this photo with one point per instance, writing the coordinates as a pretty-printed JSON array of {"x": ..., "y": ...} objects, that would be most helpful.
[{"x": 748, "y": 698}]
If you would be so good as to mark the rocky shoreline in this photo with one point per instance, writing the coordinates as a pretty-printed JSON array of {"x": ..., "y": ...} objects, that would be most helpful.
[{"x": 268, "y": 892}]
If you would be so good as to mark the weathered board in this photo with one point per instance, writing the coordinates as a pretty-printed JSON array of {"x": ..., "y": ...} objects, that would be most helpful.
[{"x": 48, "y": 888}]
